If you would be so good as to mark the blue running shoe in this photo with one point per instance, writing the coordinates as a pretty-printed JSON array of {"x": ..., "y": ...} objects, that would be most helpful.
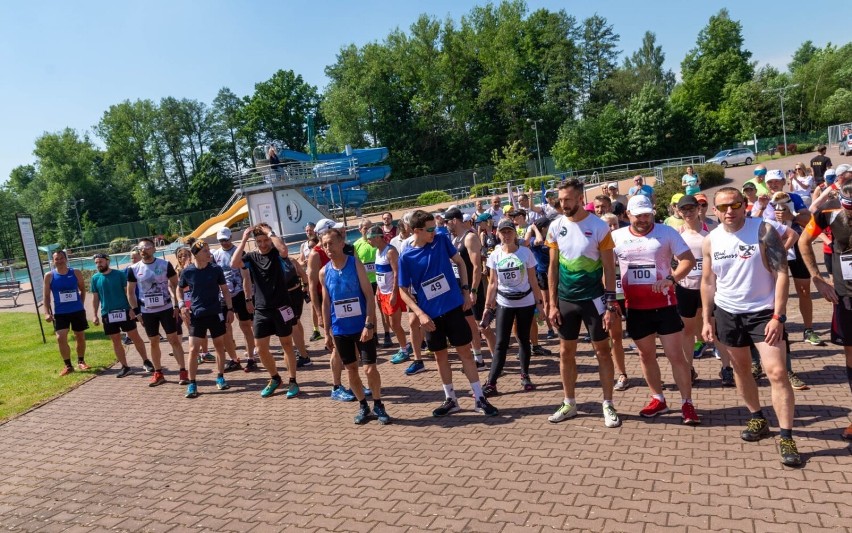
[
  {"x": 192, "y": 391},
  {"x": 409, "y": 348},
  {"x": 269, "y": 389},
  {"x": 292, "y": 390},
  {"x": 381, "y": 414},
  {"x": 363, "y": 415},
  {"x": 367, "y": 392},
  {"x": 415, "y": 367},
  {"x": 550, "y": 335},
  {"x": 221, "y": 384},
  {"x": 342, "y": 395},
  {"x": 698, "y": 349},
  {"x": 400, "y": 357}
]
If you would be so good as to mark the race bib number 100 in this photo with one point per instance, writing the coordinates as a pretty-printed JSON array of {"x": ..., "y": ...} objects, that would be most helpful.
[
  {"x": 641, "y": 275},
  {"x": 435, "y": 287}
]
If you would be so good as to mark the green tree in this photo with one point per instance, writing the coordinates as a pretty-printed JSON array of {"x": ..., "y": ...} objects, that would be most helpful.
[
  {"x": 599, "y": 54},
  {"x": 592, "y": 141},
  {"x": 510, "y": 163},
  {"x": 648, "y": 123},
  {"x": 211, "y": 184},
  {"x": 227, "y": 121}
]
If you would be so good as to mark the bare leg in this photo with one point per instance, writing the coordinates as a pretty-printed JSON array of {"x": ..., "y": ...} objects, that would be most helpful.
[
  {"x": 398, "y": 331},
  {"x": 266, "y": 356},
  {"x": 647, "y": 347},
  {"x": 177, "y": 348},
  {"x": 672, "y": 347},
  {"x": 138, "y": 343},
  {"x": 443, "y": 363},
  {"x": 468, "y": 365},
  {"x": 374, "y": 380},
  {"x": 289, "y": 354},
  {"x": 416, "y": 336},
  {"x": 355, "y": 380},
  {"x": 245, "y": 326},
  {"x": 606, "y": 371},
  {"x": 118, "y": 349},
  {"x": 62, "y": 341},
  {"x": 80, "y": 338},
  {"x": 194, "y": 350},
  {"x": 220, "y": 346},
  {"x": 616, "y": 336},
  {"x": 772, "y": 357},
  {"x": 690, "y": 328},
  {"x": 568, "y": 367},
  {"x": 156, "y": 354},
  {"x": 299, "y": 339},
  {"x": 806, "y": 304},
  {"x": 336, "y": 369},
  {"x": 746, "y": 385}
]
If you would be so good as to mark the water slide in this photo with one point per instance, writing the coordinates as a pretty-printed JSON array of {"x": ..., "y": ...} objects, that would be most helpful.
[{"x": 234, "y": 214}]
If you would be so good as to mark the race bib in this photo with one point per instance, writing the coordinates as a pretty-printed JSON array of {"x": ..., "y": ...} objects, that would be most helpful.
[
  {"x": 348, "y": 308},
  {"x": 600, "y": 306},
  {"x": 846, "y": 267},
  {"x": 371, "y": 267},
  {"x": 618, "y": 288},
  {"x": 435, "y": 287},
  {"x": 154, "y": 300},
  {"x": 67, "y": 297},
  {"x": 117, "y": 316},
  {"x": 641, "y": 274},
  {"x": 287, "y": 313},
  {"x": 697, "y": 269},
  {"x": 456, "y": 271},
  {"x": 380, "y": 278},
  {"x": 509, "y": 277}
]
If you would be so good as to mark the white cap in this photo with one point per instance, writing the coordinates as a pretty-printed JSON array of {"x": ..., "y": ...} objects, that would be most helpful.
[
  {"x": 640, "y": 205},
  {"x": 774, "y": 174},
  {"x": 611, "y": 184},
  {"x": 325, "y": 224},
  {"x": 466, "y": 217},
  {"x": 843, "y": 168},
  {"x": 223, "y": 234}
]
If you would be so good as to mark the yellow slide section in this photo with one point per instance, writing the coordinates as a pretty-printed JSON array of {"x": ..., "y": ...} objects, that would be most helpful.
[{"x": 234, "y": 214}]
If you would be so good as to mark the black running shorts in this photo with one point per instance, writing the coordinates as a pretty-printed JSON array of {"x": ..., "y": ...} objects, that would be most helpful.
[
  {"x": 688, "y": 301},
  {"x": 269, "y": 322},
  {"x": 152, "y": 322},
  {"x": 348, "y": 347},
  {"x": 743, "y": 329},
  {"x": 199, "y": 326},
  {"x": 451, "y": 326},
  {"x": 77, "y": 321},
  {"x": 586, "y": 312},
  {"x": 644, "y": 322}
]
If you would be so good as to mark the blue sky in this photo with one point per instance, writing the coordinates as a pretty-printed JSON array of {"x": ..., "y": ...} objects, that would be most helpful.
[{"x": 64, "y": 63}]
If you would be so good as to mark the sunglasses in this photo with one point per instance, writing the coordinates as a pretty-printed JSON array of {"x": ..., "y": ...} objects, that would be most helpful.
[
  {"x": 428, "y": 230},
  {"x": 723, "y": 208}
]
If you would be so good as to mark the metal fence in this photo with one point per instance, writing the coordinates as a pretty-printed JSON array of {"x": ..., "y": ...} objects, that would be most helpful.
[
  {"x": 176, "y": 225},
  {"x": 835, "y": 132}
]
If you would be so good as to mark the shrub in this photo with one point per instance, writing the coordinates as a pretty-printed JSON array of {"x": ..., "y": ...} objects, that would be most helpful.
[
  {"x": 805, "y": 148},
  {"x": 119, "y": 245},
  {"x": 711, "y": 176},
  {"x": 433, "y": 197},
  {"x": 791, "y": 149},
  {"x": 536, "y": 183},
  {"x": 480, "y": 189}
]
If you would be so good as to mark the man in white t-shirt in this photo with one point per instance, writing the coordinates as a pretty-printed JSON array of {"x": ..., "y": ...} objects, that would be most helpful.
[{"x": 745, "y": 277}]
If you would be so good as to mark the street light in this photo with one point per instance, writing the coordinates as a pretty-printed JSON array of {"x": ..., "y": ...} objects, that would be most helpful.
[
  {"x": 780, "y": 92},
  {"x": 535, "y": 124},
  {"x": 179, "y": 222},
  {"x": 79, "y": 226}
]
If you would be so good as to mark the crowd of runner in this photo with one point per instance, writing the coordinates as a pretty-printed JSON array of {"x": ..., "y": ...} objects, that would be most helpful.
[{"x": 497, "y": 273}]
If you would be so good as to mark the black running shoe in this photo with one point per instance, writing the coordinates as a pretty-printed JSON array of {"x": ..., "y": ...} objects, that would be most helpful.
[
  {"x": 388, "y": 343},
  {"x": 482, "y": 406},
  {"x": 448, "y": 407},
  {"x": 124, "y": 372},
  {"x": 363, "y": 415},
  {"x": 540, "y": 350},
  {"x": 727, "y": 376},
  {"x": 789, "y": 453},
  {"x": 756, "y": 429},
  {"x": 148, "y": 366},
  {"x": 303, "y": 361},
  {"x": 232, "y": 365}
]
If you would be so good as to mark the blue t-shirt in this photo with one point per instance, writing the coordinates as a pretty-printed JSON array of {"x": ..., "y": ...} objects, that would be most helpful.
[
  {"x": 429, "y": 271},
  {"x": 65, "y": 292},
  {"x": 442, "y": 230},
  {"x": 348, "y": 304},
  {"x": 542, "y": 258},
  {"x": 204, "y": 284},
  {"x": 112, "y": 290},
  {"x": 644, "y": 190}
]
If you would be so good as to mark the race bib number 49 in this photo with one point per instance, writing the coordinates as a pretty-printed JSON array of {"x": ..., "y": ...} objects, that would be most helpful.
[
  {"x": 641, "y": 275},
  {"x": 435, "y": 287}
]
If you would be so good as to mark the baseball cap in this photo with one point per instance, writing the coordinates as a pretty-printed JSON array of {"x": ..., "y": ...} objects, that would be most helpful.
[
  {"x": 100, "y": 256},
  {"x": 676, "y": 198},
  {"x": 326, "y": 224},
  {"x": 640, "y": 205},
  {"x": 685, "y": 200},
  {"x": 375, "y": 231},
  {"x": 700, "y": 197},
  {"x": 452, "y": 213},
  {"x": 843, "y": 168},
  {"x": 775, "y": 174},
  {"x": 505, "y": 223},
  {"x": 223, "y": 234},
  {"x": 749, "y": 185},
  {"x": 483, "y": 217},
  {"x": 611, "y": 185},
  {"x": 467, "y": 217}
]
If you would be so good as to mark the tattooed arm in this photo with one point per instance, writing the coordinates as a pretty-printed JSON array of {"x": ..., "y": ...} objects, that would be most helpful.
[
  {"x": 775, "y": 260},
  {"x": 824, "y": 286}
]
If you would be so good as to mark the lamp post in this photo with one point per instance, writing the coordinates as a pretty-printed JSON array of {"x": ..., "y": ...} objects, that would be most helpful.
[
  {"x": 780, "y": 92},
  {"x": 79, "y": 226},
  {"x": 179, "y": 222},
  {"x": 535, "y": 124}
]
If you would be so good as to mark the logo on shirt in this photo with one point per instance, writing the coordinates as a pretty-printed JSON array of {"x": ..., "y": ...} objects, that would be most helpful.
[
  {"x": 587, "y": 233},
  {"x": 747, "y": 250},
  {"x": 563, "y": 232}
]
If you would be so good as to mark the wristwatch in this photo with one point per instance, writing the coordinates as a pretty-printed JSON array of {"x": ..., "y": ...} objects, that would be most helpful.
[
  {"x": 231, "y": 309},
  {"x": 272, "y": 233},
  {"x": 671, "y": 278},
  {"x": 367, "y": 325},
  {"x": 473, "y": 290},
  {"x": 780, "y": 318},
  {"x": 465, "y": 287}
]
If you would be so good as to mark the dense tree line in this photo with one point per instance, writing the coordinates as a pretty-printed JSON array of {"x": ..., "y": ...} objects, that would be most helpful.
[{"x": 444, "y": 95}]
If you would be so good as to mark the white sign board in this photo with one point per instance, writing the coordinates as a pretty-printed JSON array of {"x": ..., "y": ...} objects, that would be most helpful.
[{"x": 25, "y": 225}]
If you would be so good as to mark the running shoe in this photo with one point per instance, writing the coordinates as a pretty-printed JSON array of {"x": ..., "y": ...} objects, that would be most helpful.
[
  {"x": 316, "y": 336},
  {"x": 342, "y": 395},
  {"x": 221, "y": 384},
  {"x": 611, "y": 419},
  {"x": 363, "y": 414},
  {"x": 126, "y": 341},
  {"x": 68, "y": 370},
  {"x": 208, "y": 357},
  {"x": 200, "y": 360},
  {"x": 688, "y": 414},
  {"x": 756, "y": 371},
  {"x": 565, "y": 411},
  {"x": 292, "y": 390},
  {"x": 479, "y": 364},
  {"x": 449, "y": 406},
  {"x": 756, "y": 429},
  {"x": 124, "y": 372},
  {"x": 424, "y": 346},
  {"x": 623, "y": 383},
  {"x": 191, "y": 391},
  {"x": 148, "y": 366},
  {"x": 232, "y": 365},
  {"x": 550, "y": 335},
  {"x": 482, "y": 406},
  {"x": 270, "y": 387},
  {"x": 162, "y": 339},
  {"x": 400, "y": 357},
  {"x": 789, "y": 453},
  {"x": 381, "y": 414},
  {"x": 251, "y": 365},
  {"x": 83, "y": 366},
  {"x": 716, "y": 354},
  {"x": 388, "y": 343},
  {"x": 303, "y": 361},
  {"x": 812, "y": 338},
  {"x": 847, "y": 433},
  {"x": 157, "y": 379},
  {"x": 796, "y": 382},
  {"x": 415, "y": 367},
  {"x": 367, "y": 392},
  {"x": 727, "y": 376},
  {"x": 540, "y": 350},
  {"x": 409, "y": 348},
  {"x": 655, "y": 407},
  {"x": 698, "y": 349},
  {"x": 490, "y": 390},
  {"x": 527, "y": 383},
  {"x": 585, "y": 338},
  {"x": 183, "y": 377}
]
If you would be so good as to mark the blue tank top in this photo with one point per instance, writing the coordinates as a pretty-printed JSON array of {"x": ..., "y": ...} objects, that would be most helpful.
[
  {"x": 66, "y": 296},
  {"x": 348, "y": 305},
  {"x": 542, "y": 258}
]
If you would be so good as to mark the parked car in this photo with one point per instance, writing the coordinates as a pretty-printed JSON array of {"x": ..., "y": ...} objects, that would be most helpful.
[
  {"x": 845, "y": 144},
  {"x": 736, "y": 156}
]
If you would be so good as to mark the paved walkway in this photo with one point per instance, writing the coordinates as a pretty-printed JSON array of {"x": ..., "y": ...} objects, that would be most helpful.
[{"x": 117, "y": 455}]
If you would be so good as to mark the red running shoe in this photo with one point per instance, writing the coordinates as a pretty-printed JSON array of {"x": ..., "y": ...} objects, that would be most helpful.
[
  {"x": 688, "y": 415},
  {"x": 157, "y": 379},
  {"x": 655, "y": 407},
  {"x": 183, "y": 378}
]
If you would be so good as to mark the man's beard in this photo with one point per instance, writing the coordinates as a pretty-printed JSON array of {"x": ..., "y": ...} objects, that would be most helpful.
[{"x": 103, "y": 268}]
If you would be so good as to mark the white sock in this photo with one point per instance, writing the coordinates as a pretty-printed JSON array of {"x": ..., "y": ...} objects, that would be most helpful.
[
  {"x": 449, "y": 391},
  {"x": 659, "y": 397},
  {"x": 569, "y": 401},
  {"x": 685, "y": 401},
  {"x": 607, "y": 402},
  {"x": 477, "y": 356},
  {"x": 477, "y": 390}
]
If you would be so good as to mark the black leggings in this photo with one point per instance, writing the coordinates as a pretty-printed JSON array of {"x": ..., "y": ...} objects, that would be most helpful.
[{"x": 506, "y": 316}]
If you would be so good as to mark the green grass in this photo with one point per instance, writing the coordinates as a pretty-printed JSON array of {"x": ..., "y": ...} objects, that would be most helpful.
[
  {"x": 767, "y": 157},
  {"x": 29, "y": 369}
]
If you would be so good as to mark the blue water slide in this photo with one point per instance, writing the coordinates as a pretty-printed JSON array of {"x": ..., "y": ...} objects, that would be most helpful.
[
  {"x": 363, "y": 156},
  {"x": 331, "y": 196}
]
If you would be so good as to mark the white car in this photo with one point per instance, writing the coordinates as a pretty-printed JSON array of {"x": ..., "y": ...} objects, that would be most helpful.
[
  {"x": 736, "y": 156},
  {"x": 845, "y": 145}
]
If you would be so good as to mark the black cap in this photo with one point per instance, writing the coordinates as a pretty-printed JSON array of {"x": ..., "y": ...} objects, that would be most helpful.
[
  {"x": 375, "y": 231},
  {"x": 687, "y": 199},
  {"x": 505, "y": 223},
  {"x": 453, "y": 213},
  {"x": 100, "y": 256}
]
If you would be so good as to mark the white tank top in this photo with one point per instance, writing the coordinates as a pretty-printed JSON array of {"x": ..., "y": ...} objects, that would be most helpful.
[
  {"x": 743, "y": 285},
  {"x": 384, "y": 272},
  {"x": 695, "y": 240}
]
